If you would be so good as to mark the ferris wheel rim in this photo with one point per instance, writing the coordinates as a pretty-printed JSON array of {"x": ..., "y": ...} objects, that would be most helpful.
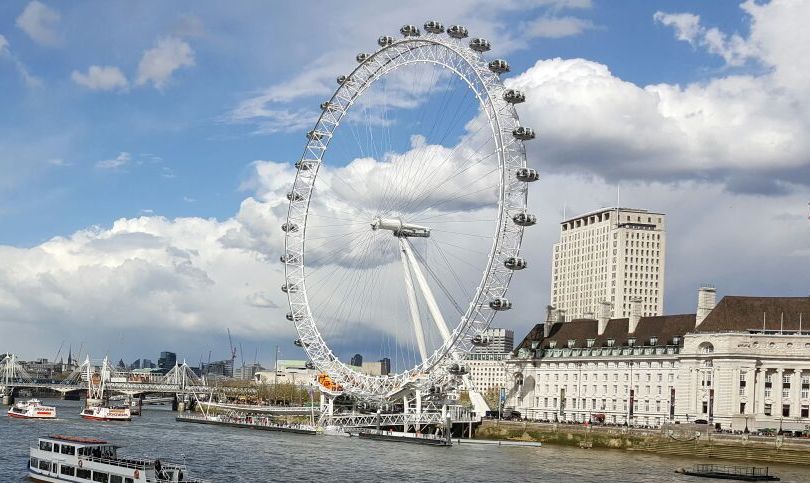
[{"x": 305, "y": 321}]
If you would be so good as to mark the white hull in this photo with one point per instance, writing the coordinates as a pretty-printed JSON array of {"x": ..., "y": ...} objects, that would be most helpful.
[
  {"x": 100, "y": 413},
  {"x": 32, "y": 410}
]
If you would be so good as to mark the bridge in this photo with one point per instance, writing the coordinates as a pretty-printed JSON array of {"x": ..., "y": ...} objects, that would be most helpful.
[{"x": 180, "y": 381}]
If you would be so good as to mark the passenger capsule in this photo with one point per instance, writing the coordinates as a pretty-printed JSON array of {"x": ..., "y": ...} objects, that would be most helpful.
[
  {"x": 514, "y": 96},
  {"x": 523, "y": 133},
  {"x": 457, "y": 32},
  {"x": 298, "y": 343},
  {"x": 457, "y": 369},
  {"x": 294, "y": 318},
  {"x": 500, "y": 303},
  {"x": 309, "y": 365},
  {"x": 328, "y": 106},
  {"x": 524, "y": 219},
  {"x": 527, "y": 174},
  {"x": 480, "y": 45},
  {"x": 306, "y": 164},
  {"x": 434, "y": 27},
  {"x": 289, "y": 227},
  {"x": 409, "y": 31},
  {"x": 385, "y": 41},
  {"x": 342, "y": 79},
  {"x": 499, "y": 66},
  {"x": 480, "y": 341},
  {"x": 293, "y": 196},
  {"x": 315, "y": 135},
  {"x": 515, "y": 263},
  {"x": 361, "y": 57},
  {"x": 287, "y": 288}
]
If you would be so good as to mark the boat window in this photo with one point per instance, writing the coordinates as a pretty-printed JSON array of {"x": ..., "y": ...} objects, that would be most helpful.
[
  {"x": 82, "y": 473},
  {"x": 129, "y": 480},
  {"x": 101, "y": 477},
  {"x": 45, "y": 445},
  {"x": 68, "y": 470},
  {"x": 67, "y": 449},
  {"x": 45, "y": 465},
  {"x": 116, "y": 479},
  {"x": 55, "y": 448},
  {"x": 34, "y": 462}
]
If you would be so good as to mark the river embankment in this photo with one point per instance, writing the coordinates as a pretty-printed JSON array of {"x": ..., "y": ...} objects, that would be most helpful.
[{"x": 683, "y": 441}]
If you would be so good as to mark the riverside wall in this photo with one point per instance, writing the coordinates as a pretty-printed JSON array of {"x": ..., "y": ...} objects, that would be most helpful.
[{"x": 684, "y": 441}]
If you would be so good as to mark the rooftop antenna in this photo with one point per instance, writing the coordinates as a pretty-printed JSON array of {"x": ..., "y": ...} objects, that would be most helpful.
[
  {"x": 782, "y": 324},
  {"x": 763, "y": 322},
  {"x": 618, "y": 195},
  {"x": 800, "y": 323}
]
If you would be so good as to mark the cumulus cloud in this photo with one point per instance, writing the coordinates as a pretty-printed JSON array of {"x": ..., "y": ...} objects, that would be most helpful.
[
  {"x": 104, "y": 78},
  {"x": 119, "y": 161},
  {"x": 159, "y": 63},
  {"x": 41, "y": 23},
  {"x": 3, "y": 46},
  {"x": 746, "y": 131},
  {"x": 733, "y": 48}
]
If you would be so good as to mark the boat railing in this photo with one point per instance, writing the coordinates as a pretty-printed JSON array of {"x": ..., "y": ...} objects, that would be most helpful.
[
  {"x": 134, "y": 463},
  {"x": 733, "y": 470}
]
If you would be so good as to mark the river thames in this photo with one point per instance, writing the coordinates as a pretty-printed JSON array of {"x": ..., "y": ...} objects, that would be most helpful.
[{"x": 229, "y": 454}]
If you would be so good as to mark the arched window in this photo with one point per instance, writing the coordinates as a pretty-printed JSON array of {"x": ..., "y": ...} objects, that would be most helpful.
[{"x": 706, "y": 348}]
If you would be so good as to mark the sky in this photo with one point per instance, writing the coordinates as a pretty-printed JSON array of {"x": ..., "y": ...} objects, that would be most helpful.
[{"x": 146, "y": 147}]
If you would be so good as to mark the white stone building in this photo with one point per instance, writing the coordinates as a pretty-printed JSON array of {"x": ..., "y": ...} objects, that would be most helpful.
[
  {"x": 488, "y": 371},
  {"x": 744, "y": 363},
  {"x": 614, "y": 255}
]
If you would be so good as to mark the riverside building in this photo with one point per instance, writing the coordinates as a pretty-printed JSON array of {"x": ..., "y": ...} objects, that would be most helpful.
[
  {"x": 742, "y": 363},
  {"x": 614, "y": 255}
]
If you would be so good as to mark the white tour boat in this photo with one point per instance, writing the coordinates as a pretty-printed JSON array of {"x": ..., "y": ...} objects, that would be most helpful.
[
  {"x": 104, "y": 413},
  {"x": 66, "y": 458},
  {"x": 32, "y": 409}
]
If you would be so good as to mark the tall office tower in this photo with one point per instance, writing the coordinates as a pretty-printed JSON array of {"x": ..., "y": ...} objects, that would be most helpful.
[
  {"x": 357, "y": 360},
  {"x": 613, "y": 255},
  {"x": 500, "y": 341}
]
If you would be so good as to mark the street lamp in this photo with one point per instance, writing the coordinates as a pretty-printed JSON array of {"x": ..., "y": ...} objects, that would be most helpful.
[{"x": 746, "y": 431}]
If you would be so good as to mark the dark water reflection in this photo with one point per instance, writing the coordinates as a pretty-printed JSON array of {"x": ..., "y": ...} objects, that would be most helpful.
[{"x": 238, "y": 455}]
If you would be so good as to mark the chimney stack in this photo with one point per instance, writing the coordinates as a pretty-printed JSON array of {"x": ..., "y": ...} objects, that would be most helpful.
[
  {"x": 605, "y": 308},
  {"x": 707, "y": 299},
  {"x": 549, "y": 321},
  {"x": 635, "y": 314},
  {"x": 561, "y": 316}
]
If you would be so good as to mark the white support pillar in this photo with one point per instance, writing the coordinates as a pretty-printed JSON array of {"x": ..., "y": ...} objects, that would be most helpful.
[
  {"x": 433, "y": 307},
  {"x": 414, "y": 308}
]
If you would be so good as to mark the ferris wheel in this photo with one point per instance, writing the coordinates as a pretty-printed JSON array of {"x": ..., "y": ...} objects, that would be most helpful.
[{"x": 407, "y": 212}]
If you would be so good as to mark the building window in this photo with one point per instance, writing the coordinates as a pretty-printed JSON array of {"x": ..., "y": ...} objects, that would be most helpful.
[
  {"x": 705, "y": 407},
  {"x": 653, "y": 340},
  {"x": 805, "y": 411},
  {"x": 742, "y": 408},
  {"x": 590, "y": 342},
  {"x": 767, "y": 409},
  {"x": 611, "y": 342},
  {"x": 786, "y": 410}
]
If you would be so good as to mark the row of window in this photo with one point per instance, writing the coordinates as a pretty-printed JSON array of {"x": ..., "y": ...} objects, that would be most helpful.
[{"x": 67, "y": 470}]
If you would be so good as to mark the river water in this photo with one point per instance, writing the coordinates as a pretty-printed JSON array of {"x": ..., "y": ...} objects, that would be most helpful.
[{"x": 238, "y": 455}]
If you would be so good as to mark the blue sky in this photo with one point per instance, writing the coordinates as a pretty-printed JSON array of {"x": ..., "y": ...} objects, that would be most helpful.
[
  {"x": 180, "y": 145},
  {"x": 186, "y": 97}
]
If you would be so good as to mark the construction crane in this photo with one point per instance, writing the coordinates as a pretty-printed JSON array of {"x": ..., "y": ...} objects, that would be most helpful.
[
  {"x": 242, "y": 356},
  {"x": 56, "y": 358},
  {"x": 233, "y": 349}
]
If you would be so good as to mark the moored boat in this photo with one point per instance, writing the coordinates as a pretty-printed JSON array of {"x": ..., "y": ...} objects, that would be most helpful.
[
  {"x": 723, "y": 472},
  {"x": 32, "y": 409},
  {"x": 67, "y": 458},
  {"x": 104, "y": 413}
]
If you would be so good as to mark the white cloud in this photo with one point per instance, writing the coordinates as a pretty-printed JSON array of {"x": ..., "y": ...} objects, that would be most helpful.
[
  {"x": 104, "y": 78},
  {"x": 734, "y": 49},
  {"x": 557, "y": 27},
  {"x": 745, "y": 130},
  {"x": 159, "y": 63},
  {"x": 5, "y": 52},
  {"x": 119, "y": 161},
  {"x": 41, "y": 23}
]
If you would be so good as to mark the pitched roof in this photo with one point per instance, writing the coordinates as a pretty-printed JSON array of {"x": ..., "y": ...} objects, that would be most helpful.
[
  {"x": 735, "y": 313},
  {"x": 664, "y": 328}
]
